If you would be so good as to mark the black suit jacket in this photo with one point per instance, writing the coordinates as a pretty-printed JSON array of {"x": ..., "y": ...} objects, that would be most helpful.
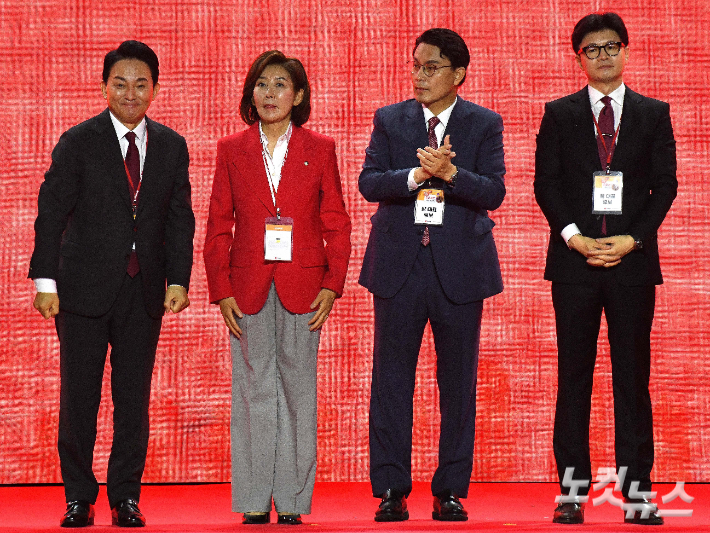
[
  {"x": 565, "y": 160},
  {"x": 85, "y": 229},
  {"x": 464, "y": 252}
]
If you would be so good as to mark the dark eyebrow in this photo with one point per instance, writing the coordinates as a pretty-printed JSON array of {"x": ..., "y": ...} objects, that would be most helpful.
[{"x": 124, "y": 79}]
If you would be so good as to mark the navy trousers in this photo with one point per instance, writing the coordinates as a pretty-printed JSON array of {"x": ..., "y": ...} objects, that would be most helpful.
[{"x": 399, "y": 327}]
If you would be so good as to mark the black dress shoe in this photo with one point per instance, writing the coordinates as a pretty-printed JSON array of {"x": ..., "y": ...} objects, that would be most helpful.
[
  {"x": 256, "y": 518},
  {"x": 448, "y": 508},
  {"x": 79, "y": 514},
  {"x": 393, "y": 507},
  {"x": 289, "y": 519},
  {"x": 127, "y": 514},
  {"x": 645, "y": 512},
  {"x": 569, "y": 513}
]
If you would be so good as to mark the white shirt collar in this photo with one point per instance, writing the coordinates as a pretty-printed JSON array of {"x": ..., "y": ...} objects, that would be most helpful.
[
  {"x": 444, "y": 116},
  {"x": 121, "y": 130},
  {"x": 286, "y": 137},
  {"x": 617, "y": 95}
]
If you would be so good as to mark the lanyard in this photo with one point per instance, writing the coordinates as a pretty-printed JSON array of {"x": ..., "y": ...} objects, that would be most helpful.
[
  {"x": 134, "y": 202},
  {"x": 609, "y": 151},
  {"x": 270, "y": 178}
]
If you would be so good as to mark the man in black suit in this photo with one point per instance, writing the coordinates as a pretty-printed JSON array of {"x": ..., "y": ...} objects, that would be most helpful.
[
  {"x": 114, "y": 223},
  {"x": 426, "y": 263},
  {"x": 605, "y": 177}
]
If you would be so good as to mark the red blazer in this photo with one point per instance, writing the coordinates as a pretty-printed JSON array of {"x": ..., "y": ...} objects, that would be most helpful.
[{"x": 309, "y": 192}]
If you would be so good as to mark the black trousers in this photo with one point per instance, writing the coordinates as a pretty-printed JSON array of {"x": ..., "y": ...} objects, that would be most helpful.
[
  {"x": 629, "y": 315},
  {"x": 399, "y": 327},
  {"x": 83, "y": 341}
]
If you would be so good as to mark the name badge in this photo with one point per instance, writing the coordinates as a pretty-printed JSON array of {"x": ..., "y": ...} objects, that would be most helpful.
[
  {"x": 278, "y": 239},
  {"x": 608, "y": 193},
  {"x": 429, "y": 207}
]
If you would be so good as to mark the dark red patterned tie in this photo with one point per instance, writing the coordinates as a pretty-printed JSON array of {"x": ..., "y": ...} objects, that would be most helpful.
[
  {"x": 606, "y": 126},
  {"x": 133, "y": 160},
  {"x": 434, "y": 143},
  {"x": 133, "y": 164}
]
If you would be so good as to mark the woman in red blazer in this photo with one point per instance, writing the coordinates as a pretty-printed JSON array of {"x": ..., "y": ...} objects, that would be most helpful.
[{"x": 276, "y": 255}]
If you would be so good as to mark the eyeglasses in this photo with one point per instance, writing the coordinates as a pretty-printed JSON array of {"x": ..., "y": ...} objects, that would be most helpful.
[
  {"x": 593, "y": 50},
  {"x": 429, "y": 70}
]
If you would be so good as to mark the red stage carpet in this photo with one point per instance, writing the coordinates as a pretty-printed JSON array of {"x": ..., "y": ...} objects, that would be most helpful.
[{"x": 344, "y": 507}]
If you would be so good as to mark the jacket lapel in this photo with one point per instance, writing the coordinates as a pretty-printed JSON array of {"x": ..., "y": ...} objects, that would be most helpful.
[
  {"x": 583, "y": 121},
  {"x": 250, "y": 163},
  {"x": 299, "y": 154},
  {"x": 108, "y": 150},
  {"x": 415, "y": 131},
  {"x": 629, "y": 121}
]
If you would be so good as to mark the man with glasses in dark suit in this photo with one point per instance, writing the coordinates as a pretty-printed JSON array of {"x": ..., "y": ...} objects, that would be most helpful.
[
  {"x": 435, "y": 167},
  {"x": 605, "y": 177}
]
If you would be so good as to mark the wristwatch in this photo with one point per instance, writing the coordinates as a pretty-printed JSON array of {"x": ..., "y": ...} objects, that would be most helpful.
[
  {"x": 638, "y": 243},
  {"x": 452, "y": 180}
]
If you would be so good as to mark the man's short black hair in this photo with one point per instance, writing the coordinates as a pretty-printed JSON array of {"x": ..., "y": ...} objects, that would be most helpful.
[
  {"x": 598, "y": 22},
  {"x": 132, "y": 50},
  {"x": 452, "y": 46}
]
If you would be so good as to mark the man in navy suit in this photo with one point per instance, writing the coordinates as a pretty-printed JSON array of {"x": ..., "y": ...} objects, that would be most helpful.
[
  {"x": 114, "y": 223},
  {"x": 435, "y": 166},
  {"x": 605, "y": 195}
]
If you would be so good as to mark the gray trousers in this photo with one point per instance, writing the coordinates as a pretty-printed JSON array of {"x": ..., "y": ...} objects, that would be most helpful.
[{"x": 274, "y": 419}]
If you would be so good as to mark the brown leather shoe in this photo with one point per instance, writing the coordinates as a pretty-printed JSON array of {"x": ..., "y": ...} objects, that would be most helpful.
[
  {"x": 645, "y": 512},
  {"x": 569, "y": 513},
  {"x": 127, "y": 514},
  {"x": 448, "y": 508},
  {"x": 79, "y": 513},
  {"x": 393, "y": 507}
]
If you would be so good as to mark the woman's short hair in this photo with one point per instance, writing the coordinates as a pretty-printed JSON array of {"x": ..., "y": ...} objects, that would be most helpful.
[{"x": 301, "y": 112}]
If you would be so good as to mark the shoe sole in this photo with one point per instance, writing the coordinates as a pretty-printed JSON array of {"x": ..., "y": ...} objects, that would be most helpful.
[
  {"x": 89, "y": 522},
  {"x": 449, "y": 518},
  {"x": 642, "y": 522},
  {"x": 567, "y": 521},
  {"x": 389, "y": 517}
]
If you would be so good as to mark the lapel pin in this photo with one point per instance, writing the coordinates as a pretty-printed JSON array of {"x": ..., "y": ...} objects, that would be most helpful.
[{"x": 305, "y": 163}]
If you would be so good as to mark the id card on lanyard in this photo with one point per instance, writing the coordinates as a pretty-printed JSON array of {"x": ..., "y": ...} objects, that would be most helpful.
[
  {"x": 278, "y": 230},
  {"x": 278, "y": 239},
  {"x": 429, "y": 207}
]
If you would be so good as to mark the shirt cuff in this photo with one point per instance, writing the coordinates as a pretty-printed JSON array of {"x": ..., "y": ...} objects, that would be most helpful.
[
  {"x": 45, "y": 285},
  {"x": 570, "y": 231},
  {"x": 413, "y": 185}
]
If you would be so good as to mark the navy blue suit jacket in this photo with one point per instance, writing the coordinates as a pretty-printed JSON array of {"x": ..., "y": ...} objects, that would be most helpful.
[
  {"x": 565, "y": 161},
  {"x": 464, "y": 252}
]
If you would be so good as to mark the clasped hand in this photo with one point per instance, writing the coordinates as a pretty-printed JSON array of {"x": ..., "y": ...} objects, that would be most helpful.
[
  {"x": 603, "y": 252},
  {"x": 435, "y": 162}
]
